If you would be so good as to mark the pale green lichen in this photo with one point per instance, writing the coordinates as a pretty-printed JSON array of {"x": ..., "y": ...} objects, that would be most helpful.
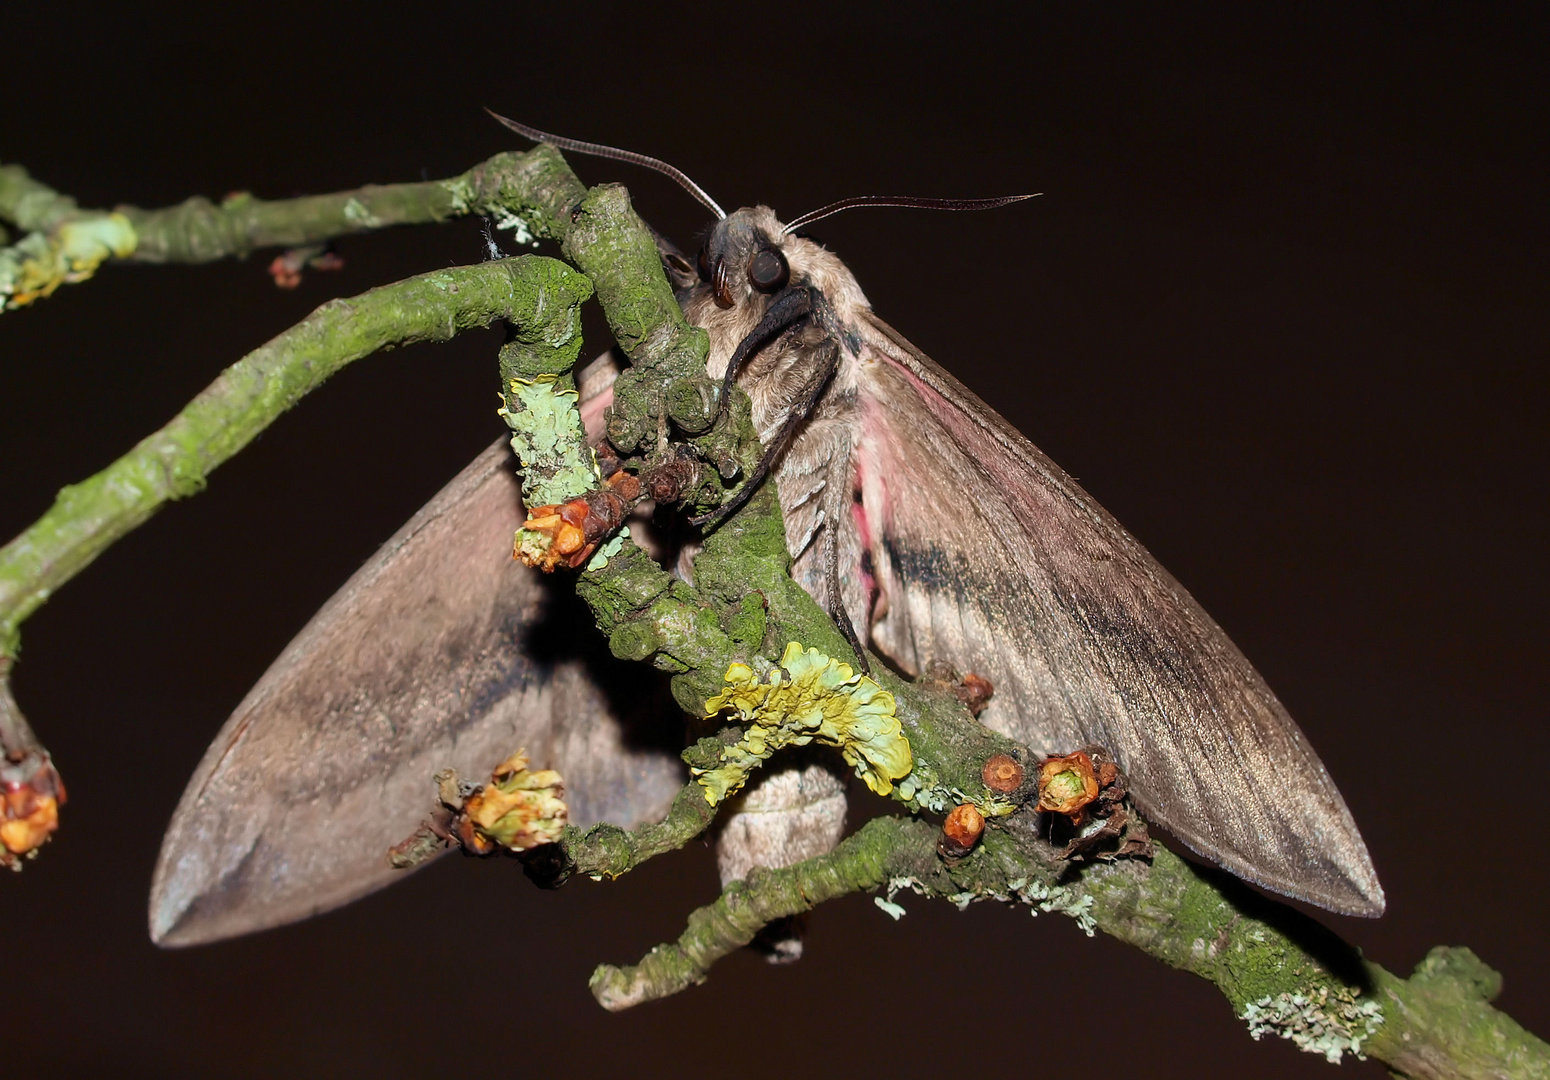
[
  {"x": 464, "y": 197},
  {"x": 1331, "y": 1023},
  {"x": 895, "y": 886},
  {"x": 1061, "y": 898},
  {"x": 609, "y": 549},
  {"x": 922, "y": 790},
  {"x": 516, "y": 224},
  {"x": 40, "y": 262},
  {"x": 807, "y": 697},
  {"x": 550, "y": 442},
  {"x": 357, "y": 213}
]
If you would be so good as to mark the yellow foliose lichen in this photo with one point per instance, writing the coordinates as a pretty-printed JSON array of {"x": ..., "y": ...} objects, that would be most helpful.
[{"x": 807, "y": 697}]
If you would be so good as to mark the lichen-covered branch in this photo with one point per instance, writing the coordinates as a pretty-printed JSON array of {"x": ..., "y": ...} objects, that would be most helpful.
[
  {"x": 530, "y": 193},
  {"x": 535, "y": 192},
  {"x": 1283, "y": 973},
  {"x": 60, "y": 243},
  {"x": 607, "y": 851}
]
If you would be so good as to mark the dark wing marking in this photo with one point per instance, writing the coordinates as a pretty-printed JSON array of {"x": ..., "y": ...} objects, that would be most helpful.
[
  {"x": 988, "y": 556},
  {"x": 439, "y": 652}
]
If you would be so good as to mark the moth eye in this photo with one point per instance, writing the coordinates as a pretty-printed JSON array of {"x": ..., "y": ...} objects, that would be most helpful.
[
  {"x": 768, "y": 271},
  {"x": 703, "y": 262}
]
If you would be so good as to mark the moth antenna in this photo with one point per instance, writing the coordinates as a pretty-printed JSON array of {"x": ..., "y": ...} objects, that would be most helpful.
[
  {"x": 599, "y": 150},
  {"x": 903, "y": 200}
]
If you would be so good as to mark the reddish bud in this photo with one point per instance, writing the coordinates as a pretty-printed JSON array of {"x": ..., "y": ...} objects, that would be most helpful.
[
  {"x": 975, "y": 692},
  {"x": 30, "y": 796},
  {"x": 625, "y": 485},
  {"x": 961, "y": 831},
  {"x": 286, "y": 270}
]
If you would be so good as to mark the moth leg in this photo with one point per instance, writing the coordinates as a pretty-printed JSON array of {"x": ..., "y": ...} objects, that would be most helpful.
[{"x": 828, "y": 363}]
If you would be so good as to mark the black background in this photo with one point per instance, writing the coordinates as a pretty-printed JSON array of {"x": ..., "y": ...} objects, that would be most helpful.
[{"x": 1282, "y": 308}]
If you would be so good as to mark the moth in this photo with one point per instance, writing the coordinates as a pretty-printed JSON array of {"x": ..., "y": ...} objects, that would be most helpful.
[{"x": 926, "y": 525}]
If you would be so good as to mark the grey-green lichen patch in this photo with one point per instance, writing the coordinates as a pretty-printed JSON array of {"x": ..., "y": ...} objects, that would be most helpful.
[
  {"x": 464, "y": 196},
  {"x": 923, "y": 790},
  {"x": 550, "y": 442},
  {"x": 609, "y": 550},
  {"x": 1320, "y": 1021},
  {"x": 357, "y": 213},
  {"x": 513, "y": 222},
  {"x": 1043, "y": 897},
  {"x": 896, "y": 885}
]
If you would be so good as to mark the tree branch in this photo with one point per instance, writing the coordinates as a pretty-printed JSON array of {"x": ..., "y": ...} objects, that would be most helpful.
[{"x": 529, "y": 193}]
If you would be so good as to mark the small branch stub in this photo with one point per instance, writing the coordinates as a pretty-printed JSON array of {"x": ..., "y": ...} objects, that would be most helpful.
[
  {"x": 31, "y": 791},
  {"x": 975, "y": 691},
  {"x": 30, "y": 796},
  {"x": 1002, "y": 774},
  {"x": 287, "y": 267}
]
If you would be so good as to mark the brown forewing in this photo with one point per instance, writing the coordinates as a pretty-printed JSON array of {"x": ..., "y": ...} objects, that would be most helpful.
[
  {"x": 441, "y": 651},
  {"x": 988, "y": 556}
]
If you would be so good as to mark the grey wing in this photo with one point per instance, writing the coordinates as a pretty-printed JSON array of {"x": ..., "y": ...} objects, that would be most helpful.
[
  {"x": 985, "y": 554},
  {"x": 441, "y": 651}
]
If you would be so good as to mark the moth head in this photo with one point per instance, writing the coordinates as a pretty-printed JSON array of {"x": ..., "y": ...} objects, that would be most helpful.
[
  {"x": 743, "y": 257},
  {"x": 749, "y": 258}
]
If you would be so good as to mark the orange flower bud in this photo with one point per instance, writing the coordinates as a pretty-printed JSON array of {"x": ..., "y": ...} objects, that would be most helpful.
[
  {"x": 553, "y": 535},
  {"x": 1067, "y": 784},
  {"x": 29, "y": 808}
]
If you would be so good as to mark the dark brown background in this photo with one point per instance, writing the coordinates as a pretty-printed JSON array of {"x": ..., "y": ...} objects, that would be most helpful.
[{"x": 1282, "y": 309}]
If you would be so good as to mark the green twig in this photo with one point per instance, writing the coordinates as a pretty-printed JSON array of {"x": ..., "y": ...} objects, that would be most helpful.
[
  {"x": 609, "y": 851},
  {"x": 530, "y": 193},
  {"x": 524, "y": 192},
  {"x": 746, "y": 907},
  {"x": 1282, "y": 972},
  {"x": 30, "y": 205},
  {"x": 248, "y": 396}
]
